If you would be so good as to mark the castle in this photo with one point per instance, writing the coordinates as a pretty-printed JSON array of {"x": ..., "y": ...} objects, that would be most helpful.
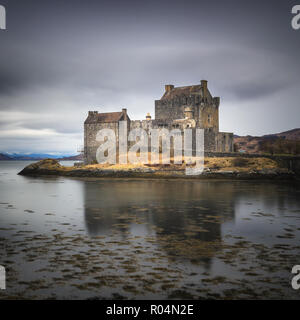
[{"x": 180, "y": 107}]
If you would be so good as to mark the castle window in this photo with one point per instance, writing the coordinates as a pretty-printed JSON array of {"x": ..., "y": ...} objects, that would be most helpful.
[{"x": 209, "y": 118}]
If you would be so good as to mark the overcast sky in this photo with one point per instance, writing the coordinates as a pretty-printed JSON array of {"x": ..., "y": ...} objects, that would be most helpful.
[{"x": 60, "y": 59}]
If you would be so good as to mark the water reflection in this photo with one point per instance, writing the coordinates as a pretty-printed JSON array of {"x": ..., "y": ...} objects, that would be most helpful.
[
  {"x": 171, "y": 211},
  {"x": 189, "y": 212}
]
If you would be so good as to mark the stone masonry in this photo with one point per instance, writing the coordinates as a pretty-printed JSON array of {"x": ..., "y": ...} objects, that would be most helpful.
[{"x": 179, "y": 108}]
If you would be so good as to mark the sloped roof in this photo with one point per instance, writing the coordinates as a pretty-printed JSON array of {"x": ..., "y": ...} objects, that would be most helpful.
[
  {"x": 179, "y": 91},
  {"x": 95, "y": 117},
  {"x": 109, "y": 116}
]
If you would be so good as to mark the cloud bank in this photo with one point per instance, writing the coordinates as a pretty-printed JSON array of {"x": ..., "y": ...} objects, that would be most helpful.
[{"x": 60, "y": 59}]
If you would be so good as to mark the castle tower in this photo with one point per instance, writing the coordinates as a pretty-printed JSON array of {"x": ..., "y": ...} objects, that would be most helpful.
[{"x": 192, "y": 102}]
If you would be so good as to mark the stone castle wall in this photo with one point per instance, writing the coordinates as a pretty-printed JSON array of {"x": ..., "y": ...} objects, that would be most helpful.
[
  {"x": 179, "y": 108},
  {"x": 219, "y": 142},
  {"x": 90, "y": 143},
  {"x": 205, "y": 113}
]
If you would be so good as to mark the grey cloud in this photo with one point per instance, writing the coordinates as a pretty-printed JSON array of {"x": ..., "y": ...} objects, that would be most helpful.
[
  {"x": 257, "y": 90},
  {"x": 62, "y": 58}
]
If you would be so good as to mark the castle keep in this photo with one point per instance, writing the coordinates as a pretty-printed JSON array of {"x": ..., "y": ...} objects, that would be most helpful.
[{"x": 179, "y": 108}]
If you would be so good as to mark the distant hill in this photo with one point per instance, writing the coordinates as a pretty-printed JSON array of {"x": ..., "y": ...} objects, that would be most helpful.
[
  {"x": 4, "y": 157},
  {"x": 37, "y": 156},
  {"x": 78, "y": 157},
  {"x": 288, "y": 135},
  {"x": 287, "y": 142}
]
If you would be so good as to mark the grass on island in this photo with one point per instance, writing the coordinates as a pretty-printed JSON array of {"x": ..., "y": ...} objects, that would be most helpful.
[
  {"x": 215, "y": 164},
  {"x": 240, "y": 164},
  {"x": 237, "y": 164}
]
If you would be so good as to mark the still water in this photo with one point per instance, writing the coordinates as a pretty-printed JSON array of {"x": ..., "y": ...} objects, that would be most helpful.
[{"x": 64, "y": 238}]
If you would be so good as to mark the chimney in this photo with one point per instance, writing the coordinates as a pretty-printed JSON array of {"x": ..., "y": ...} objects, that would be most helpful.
[
  {"x": 204, "y": 87},
  {"x": 204, "y": 84},
  {"x": 124, "y": 111},
  {"x": 169, "y": 87}
]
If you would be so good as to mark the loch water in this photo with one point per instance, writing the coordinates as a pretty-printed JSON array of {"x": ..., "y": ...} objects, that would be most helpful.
[{"x": 67, "y": 238}]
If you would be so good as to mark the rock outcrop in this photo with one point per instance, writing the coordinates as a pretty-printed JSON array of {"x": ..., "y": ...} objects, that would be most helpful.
[{"x": 46, "y": 166}]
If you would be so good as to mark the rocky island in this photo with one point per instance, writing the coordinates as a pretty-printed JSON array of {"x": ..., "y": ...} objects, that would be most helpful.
[{"x": 216, "y": 168}]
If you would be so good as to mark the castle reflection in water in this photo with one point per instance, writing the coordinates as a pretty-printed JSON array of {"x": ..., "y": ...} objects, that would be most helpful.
[{"x": 178, "y": 210}]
